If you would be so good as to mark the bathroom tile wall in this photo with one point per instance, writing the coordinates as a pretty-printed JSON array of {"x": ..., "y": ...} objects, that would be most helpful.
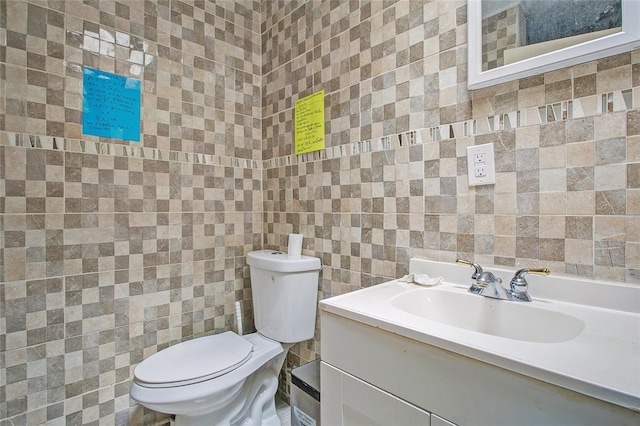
[
  {"x": 392, "y": 182},
  {"x": 113, "y": 250}
]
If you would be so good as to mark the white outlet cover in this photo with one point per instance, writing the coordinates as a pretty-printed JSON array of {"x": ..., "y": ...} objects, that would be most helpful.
[{"x": 490, "y": 177}]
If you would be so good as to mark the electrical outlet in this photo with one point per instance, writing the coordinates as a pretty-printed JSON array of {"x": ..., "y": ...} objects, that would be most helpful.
[
  {"x": 481, "y": 165},
  {"x": 480, "y": 171}
]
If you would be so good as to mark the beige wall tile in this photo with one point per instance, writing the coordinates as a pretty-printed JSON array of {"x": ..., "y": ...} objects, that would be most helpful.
[
  {"x": 580, "y": 154},
  {"x": 219, "y": 179}
]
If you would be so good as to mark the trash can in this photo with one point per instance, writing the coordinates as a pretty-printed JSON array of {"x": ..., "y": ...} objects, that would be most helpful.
[{"x": 305, "y": 394}]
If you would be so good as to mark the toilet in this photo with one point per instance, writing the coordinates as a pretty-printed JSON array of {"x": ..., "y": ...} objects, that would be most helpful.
[{"x": 228, "y": 379}]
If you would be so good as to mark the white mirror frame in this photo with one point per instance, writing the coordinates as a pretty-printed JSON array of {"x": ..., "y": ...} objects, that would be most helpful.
[{"x": 623, "y": 41}]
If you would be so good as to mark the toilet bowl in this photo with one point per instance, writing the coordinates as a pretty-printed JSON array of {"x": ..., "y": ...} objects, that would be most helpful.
[
  {"x": 179, "y": 383},
  {"x": 227, "y": 379}
]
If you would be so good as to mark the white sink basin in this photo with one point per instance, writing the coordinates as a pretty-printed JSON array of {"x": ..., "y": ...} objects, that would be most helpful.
[
  {"x": 579, "y": 334},
  {"x": 511, "y": 320}
]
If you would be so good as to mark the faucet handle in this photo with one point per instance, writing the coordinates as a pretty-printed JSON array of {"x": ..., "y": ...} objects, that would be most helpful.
[
  {"x": 519, "y": 285},
  {"x": 537, "y": 271},
  {"x": 478, "y": 268}
]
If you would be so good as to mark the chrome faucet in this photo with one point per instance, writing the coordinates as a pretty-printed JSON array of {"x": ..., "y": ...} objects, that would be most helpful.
[
  {"x": 484, "y": 283},
  {"x": 487, "y": 284}
]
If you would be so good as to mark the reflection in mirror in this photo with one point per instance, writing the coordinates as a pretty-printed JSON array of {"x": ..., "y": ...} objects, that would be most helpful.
[
  {"x": 511, "y": 39},
  {"x": 513, "y": 30}
]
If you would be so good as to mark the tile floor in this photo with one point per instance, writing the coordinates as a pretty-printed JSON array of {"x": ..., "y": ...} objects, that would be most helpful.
[{"x": 284, "y": 412}]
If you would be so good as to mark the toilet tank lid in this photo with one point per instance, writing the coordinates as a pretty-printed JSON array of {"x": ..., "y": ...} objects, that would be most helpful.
[{"x": 277, "y": 261}]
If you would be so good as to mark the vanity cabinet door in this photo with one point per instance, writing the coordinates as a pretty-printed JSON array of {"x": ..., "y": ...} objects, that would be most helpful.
[{"x": 347, "y": 400}]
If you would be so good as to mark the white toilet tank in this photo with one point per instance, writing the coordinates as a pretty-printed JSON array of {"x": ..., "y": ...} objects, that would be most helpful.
[{"x": 285, "y": 294}]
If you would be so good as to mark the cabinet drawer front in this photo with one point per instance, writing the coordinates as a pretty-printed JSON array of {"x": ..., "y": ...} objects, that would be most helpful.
[{"x": 354, "y": 402}]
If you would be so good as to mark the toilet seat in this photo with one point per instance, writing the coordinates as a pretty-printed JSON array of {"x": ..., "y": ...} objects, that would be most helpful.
[{"x": 194, "y": 361}]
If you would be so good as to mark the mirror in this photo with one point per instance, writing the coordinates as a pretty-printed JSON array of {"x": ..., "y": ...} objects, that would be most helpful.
[{"x": 512, "y": 39}]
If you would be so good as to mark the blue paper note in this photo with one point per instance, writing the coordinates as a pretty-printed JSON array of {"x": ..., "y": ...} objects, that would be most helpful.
[{"x": 111, "y": 105}]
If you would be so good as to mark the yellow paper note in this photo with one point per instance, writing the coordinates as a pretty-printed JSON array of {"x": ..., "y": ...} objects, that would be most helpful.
[{"x": 309, "y": 123}]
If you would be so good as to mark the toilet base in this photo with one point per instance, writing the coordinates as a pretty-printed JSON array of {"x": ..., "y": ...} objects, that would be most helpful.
[
  {"x": 258, "y": 393},
  {"x": 243, "y": 396}
]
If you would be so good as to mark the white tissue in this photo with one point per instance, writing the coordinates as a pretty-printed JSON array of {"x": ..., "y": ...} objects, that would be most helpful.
[
  {"x": 295, "y": 246},
  {"x": 422, "y": 279}
]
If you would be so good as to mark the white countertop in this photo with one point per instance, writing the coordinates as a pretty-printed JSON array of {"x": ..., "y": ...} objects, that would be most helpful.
[{"x": 603, "y": 361}]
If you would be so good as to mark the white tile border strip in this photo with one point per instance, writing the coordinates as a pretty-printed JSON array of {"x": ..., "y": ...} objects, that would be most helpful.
[
  {"x": 588, "y": 106},
  {"x": 117, "y": 150},
  {"x": 594, "y": 105}
]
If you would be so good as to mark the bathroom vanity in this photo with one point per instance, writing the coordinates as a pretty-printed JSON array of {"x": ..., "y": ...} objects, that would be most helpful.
[{"x": 400, "y": 353}]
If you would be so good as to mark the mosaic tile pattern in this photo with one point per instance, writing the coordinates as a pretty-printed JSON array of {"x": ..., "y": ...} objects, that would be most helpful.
[
  {"x": 112, "y": 251},
  {"x": 115, "y": 250},
  {"x": 502, "y": 31},
  {"x": 196, "y": 82},
  {"x": 392, "y": 184}
]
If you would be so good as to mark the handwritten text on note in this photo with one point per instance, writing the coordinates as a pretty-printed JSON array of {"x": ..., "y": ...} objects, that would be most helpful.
[
  {"x": 309, "y": 123},
  {"x": 111, "y": 105}
]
